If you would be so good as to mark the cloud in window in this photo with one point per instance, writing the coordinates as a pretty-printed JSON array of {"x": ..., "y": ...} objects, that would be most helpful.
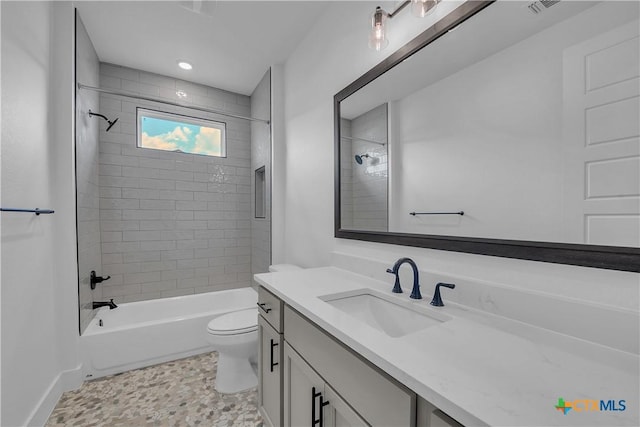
[{"x": 207, "y": 141}]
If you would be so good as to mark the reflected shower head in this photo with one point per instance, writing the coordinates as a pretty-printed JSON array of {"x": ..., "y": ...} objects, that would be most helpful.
[
  {"x": 359, "y": 158},
  {"x": 111, "y": 123}
]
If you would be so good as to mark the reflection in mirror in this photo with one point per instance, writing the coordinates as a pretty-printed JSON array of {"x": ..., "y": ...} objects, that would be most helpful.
[
  {"x": 364, "y": 169},
  {"x": 526, "y": 122}
]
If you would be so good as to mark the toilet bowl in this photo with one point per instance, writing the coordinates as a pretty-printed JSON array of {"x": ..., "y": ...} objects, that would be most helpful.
[{"x": 235, "y": 337}]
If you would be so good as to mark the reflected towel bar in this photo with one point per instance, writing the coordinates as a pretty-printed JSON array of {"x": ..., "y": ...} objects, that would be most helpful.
[
  {"x": 436, "y": 213},
  {"x": 35, "y": 211}
]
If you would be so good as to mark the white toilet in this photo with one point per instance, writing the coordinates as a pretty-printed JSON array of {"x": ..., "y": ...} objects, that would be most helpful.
[{"x": 235, "y": 338}]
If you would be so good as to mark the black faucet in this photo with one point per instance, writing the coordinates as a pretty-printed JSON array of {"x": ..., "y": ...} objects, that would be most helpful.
[
  {"x": 437, "y": 299},
  {"x": 110, "y": 304},
  {"x": 415, "y": 292}
]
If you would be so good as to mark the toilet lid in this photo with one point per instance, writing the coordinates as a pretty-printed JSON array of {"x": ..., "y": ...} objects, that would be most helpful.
[{"x": 237, "y": 322}]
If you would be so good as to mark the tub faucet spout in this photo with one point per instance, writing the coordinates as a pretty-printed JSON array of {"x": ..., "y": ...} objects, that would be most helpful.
[{"x": 110, "y": 304}]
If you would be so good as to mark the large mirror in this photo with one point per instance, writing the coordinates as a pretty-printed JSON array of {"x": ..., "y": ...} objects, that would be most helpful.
[{"x": 500, "y": 131}]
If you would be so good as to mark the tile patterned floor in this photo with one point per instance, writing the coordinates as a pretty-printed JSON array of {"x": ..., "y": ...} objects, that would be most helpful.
[{"x": 178, "y": 393}]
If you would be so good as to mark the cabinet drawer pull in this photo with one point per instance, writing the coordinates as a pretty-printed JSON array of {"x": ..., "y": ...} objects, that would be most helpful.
[
  {"x": 262, "y": 306},
  {"x": 273, "y": 344}
]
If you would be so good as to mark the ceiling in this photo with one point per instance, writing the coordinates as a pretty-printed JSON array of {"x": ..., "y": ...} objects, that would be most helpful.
[{"x": 230, "y": 44}]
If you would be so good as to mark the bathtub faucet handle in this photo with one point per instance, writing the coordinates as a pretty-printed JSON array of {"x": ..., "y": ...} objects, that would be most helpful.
[{"x": 94, "y": 280}]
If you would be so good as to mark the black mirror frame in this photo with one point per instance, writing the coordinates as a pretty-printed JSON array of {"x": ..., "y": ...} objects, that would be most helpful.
[{"x": 596, "y": 256}]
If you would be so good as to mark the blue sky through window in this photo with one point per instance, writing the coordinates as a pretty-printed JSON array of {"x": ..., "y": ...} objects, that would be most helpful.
[{"x": 172, "y": 135}]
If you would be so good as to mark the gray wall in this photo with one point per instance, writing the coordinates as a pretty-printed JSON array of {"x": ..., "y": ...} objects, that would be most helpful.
[
  {"x": 172, "y": 223},
  {"x": 261, "y": 156},
  {"x": 87, "y": 180}
]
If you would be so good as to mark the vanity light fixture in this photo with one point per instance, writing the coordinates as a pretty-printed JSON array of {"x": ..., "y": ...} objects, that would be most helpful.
[
  {"x": 378, "y": 35},
  {"x": 185, "y": 65}
]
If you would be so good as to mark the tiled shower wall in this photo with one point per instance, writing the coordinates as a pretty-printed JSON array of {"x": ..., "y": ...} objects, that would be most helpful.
[
  {"x": 261, "y": 157},
  {"x": 172, "y": 223},
  {"x": 364, "y": 186}
]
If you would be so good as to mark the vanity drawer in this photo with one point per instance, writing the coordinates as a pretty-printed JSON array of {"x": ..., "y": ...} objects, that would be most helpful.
[
  {"x": 270, "y": 308},
  {"x": 378, "y": 399}
]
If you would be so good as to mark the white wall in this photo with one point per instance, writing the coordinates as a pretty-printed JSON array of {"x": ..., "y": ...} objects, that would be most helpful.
[
  {"x": 39, "y": 289},
  {"x": 495, "y": 150},
  {"x": 324, "y": 63},
  {"x": 172, "y": 223}
]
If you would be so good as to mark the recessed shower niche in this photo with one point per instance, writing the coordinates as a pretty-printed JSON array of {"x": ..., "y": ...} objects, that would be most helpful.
[{"x": 164, "y": 218}]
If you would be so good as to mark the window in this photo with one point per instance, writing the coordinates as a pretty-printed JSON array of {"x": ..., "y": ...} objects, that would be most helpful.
[{"x": 174, "y": 132}]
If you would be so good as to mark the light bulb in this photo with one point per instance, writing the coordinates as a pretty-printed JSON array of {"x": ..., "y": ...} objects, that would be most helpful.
[
  {"x": 422, "y": 8},
  {"x": 378, "y": 35}
]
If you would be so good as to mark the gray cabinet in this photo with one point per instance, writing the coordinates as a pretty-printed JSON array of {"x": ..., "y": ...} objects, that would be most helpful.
[
  {"x": 270, "y": 373},
  {"x": 308, "y": 378},
  {"x": 309, "y": 400}
]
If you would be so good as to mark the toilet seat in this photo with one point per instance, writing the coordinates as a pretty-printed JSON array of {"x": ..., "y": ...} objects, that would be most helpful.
[{"x": 235, "y": 323}]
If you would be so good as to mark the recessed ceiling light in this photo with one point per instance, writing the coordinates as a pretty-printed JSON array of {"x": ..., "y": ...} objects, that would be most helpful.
[
  {"x": 184, "y": 65},
  {"x": 181, "y": 94}
]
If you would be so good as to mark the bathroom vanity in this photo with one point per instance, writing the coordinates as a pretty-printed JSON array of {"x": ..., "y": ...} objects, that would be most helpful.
[{"x": 324, "y": 361}]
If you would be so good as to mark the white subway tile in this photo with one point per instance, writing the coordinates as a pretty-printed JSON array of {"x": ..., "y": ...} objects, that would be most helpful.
[{"x": 133, "y": 278}]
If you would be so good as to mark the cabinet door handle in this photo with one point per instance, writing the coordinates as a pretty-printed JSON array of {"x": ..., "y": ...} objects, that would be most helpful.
[
  {"x": 315, "y": 394},
  {"x": 262, "y": 306},
  {"x": 273, "y": 344},
  {"x": 323, "y": 403}
]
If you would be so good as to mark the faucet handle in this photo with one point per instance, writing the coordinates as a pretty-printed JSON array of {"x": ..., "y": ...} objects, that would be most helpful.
[{"x": 437, "y": 299}]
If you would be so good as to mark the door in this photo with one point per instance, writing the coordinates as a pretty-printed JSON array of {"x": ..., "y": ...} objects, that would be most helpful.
[
  {"x": 338, "y": 413},
  {"x": 602, "y": 139},
  {"x": 302, "y": 390},
  {"x": 270, "y": 369}
]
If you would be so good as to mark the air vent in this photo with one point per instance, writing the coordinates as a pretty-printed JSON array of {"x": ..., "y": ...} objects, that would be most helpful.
[{"x": 540, "y": 5}]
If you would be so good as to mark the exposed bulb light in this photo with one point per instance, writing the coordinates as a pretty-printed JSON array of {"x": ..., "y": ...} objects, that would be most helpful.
[
  {"x": 185, "y": 65},
  {"x": 378, "y": 35},
  {"x": 422, "y": 8}
]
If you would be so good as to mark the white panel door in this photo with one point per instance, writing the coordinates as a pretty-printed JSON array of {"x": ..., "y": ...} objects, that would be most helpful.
[{"x": 602, "y": 139}]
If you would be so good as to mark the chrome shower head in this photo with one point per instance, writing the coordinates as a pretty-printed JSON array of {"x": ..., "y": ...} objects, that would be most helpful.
[{"x": 111, "y": 123}]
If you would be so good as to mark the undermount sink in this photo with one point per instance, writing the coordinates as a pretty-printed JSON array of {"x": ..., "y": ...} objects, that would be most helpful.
[{"x": 385, "y": 313}]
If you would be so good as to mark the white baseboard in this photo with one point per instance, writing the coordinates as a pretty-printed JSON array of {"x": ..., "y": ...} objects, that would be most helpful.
[{"x": 65, "y": 381}]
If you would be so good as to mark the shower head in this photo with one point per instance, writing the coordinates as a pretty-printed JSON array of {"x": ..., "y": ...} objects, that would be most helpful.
[
  {"x": 359, "y": 158},
  {"x": 111, "y": 123}
]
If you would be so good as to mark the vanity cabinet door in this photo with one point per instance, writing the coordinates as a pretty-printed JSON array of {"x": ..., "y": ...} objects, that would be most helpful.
[
  {"x": 270, "y": 374},
  {"x": 300, "y": 383},
  {"x": 338, "y": 413}
]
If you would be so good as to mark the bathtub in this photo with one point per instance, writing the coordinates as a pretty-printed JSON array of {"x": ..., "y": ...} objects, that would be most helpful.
[{"x": 145, "y": 333}]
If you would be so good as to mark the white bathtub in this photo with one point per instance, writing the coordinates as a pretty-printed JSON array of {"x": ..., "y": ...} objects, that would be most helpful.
[{"x": 145, "y": 333}]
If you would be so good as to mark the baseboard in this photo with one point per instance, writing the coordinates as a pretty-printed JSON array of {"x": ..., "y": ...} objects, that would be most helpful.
[{"x": 64, "y": 381}]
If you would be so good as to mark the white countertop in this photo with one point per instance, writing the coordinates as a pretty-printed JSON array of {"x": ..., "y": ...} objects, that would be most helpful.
[{"x": 478, "y": 368}]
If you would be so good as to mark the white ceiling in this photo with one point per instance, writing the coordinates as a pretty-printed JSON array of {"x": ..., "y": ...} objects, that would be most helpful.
[{"x": 231, "y": 44}]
